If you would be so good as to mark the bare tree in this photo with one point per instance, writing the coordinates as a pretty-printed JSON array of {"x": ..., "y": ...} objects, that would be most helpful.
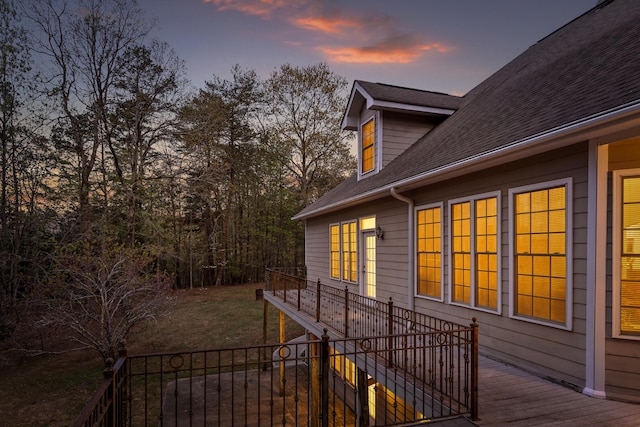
[
  {"x": 305, "y": 106},
  {"x": 84, "y": 41},
  {"x": 99, "y": 293}
]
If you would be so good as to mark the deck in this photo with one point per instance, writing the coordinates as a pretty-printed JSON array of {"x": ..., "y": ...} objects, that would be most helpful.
[
  {"x": 511, "y": 397},
  {"x": 507, "y": 396}
]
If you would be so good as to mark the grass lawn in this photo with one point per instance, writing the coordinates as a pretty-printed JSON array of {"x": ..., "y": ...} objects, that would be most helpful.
[{"x": 51, "y": 390}]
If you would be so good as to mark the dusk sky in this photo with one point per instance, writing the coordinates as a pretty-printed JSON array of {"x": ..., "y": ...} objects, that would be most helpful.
[{"x": 446, "y": 46}]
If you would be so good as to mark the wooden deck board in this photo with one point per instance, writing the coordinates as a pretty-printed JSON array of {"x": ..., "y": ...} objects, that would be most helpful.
[{"x": 511, "y": 397}]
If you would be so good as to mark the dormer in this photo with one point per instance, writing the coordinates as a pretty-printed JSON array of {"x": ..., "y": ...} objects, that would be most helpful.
[{"x": 389, "y": 119}]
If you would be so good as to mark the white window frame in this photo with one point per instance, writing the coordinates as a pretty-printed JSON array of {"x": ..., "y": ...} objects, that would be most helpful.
[
  {"x": 377, "y": 144},
  {"x": 616, "y": 254},
  {"x": 472, "y": 200},
  {"x": 415, "y": 254},
  {"x": 568, "y": 184}
]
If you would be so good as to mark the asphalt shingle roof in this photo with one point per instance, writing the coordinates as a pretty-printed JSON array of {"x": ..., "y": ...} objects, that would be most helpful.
[
  {"x": 403, "y": 95},
  {"x": 585, "y": 68}
]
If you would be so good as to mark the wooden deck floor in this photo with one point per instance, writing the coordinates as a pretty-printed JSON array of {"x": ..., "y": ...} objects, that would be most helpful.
[{"x": 511, "y": 397}]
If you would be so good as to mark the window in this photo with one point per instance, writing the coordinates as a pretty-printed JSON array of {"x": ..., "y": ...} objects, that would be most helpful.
[
  {"x": 349, "y": 252},
  {"x": 626, "y": 254},
  {"x": 368, "y": 141},
  {"x": 334, "y": 236},
  {"x": 540, "y": 259},
  {"x": 343, "y": 251},
  {"x": 474, "y": 251},
  {"x": 429, "y": 251}
]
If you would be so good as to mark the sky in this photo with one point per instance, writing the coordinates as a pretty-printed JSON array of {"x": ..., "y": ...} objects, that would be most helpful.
[{"x": 445, "y": 46}]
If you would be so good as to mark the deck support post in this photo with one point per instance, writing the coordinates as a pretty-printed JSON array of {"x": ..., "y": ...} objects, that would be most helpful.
[
  {"x": 363, "y": 398},
  {"x": 314, "y": 359},
  {"x": 324, "y": 383}
]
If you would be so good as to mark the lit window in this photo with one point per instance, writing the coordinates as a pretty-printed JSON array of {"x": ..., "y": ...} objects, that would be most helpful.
[
  {"x": 367, "y": 155},
  {"x": 540, "y": 253},
  {"x": 474, "y": 252},
  {"x": 429, "y": 251},
  {"x": 334, "y": 232},
  {"x": 349, "y": 252},
  {"x": 627, "y": 253}
]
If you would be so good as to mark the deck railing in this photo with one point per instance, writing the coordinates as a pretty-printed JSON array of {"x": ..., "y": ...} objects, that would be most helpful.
[
  {"x": 392, "y": 366},
  {"x": 353, "y": 315},
  {"x": 327, "y": 382}
]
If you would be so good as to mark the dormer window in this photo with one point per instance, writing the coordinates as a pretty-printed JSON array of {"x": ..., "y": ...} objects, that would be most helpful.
[{"x": 368, "y": 147}]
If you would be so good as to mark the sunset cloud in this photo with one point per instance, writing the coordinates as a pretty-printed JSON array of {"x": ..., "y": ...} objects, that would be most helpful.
[
  {"x": 326, "y": 25},
  {"x": 399, "y": 49},
  {"x": 341, "y": 35}
]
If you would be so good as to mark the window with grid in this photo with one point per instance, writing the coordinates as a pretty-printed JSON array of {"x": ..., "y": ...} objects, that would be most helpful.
[
  {"x": 474, "y": 252},
  {"x": 429, "y": 252},
  {"x": 349, "y": 251},
  {"x": 367, "y": 155},
  {"x": 334, "y": 237},
  {"x": 627, "y": 253},
  {"x": 461, "y": 252},
  {"x": 540, "y": 254}
]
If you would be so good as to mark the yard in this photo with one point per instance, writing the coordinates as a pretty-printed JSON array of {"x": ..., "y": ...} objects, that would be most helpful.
[{"x": 50, "y": 390}]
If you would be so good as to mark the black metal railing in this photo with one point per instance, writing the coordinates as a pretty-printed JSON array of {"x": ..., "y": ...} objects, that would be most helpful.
[
  {"x": 354, "y": 315},
  {"x": 377, "y": 380},
  {"x": 392, "y": 366},
  {"x": 346, "y": 312},
  {"x": 109, "y": 403}
]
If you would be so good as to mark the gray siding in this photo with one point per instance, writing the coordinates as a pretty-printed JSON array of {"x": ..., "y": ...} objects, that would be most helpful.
[
  {"x": 400, "y": 132},
  {"x": 545, "y": 350}
]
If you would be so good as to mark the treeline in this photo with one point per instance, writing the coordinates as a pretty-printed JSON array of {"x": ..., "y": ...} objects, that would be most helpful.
[{"x": 107, "y": 149}]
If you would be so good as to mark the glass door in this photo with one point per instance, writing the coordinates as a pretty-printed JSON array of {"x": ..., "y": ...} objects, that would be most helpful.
[{"x": 369, "y": 264}]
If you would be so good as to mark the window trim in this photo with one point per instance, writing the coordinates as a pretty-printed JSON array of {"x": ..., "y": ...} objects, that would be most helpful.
[
  {"x": 473, "y": 199},
  {"x": 568, "y": 184},
  {"x": 341, "y": 252},
  {"x": 616, "y": 254},
  {"x": 376, "y": 117},
  {"x": 415, "y": 254}
]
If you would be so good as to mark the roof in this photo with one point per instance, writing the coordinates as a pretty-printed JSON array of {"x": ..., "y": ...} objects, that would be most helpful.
[
  {"x": 583, "y": 74},
  {"x": 379, "y": 96}
]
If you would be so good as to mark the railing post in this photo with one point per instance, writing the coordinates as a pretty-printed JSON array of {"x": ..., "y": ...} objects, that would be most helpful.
[
  {"x": 318, "y": 301},
  {"x": 299, "y": 280},
  {"x": 324, "y": 380},
  {"x": 346, "y": 312},
  {"x": 109, "y": 371},
  {"x": 390, "y": 332},
  {"x": 123, "y": 387},
  {"x": 474, "y": 370}
]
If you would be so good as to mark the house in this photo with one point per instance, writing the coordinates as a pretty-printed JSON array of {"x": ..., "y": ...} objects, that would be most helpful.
[{"x": 517, "y": 204}]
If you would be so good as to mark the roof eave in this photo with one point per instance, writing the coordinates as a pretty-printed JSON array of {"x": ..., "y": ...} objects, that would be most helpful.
[{"x": 598, "y": 125}]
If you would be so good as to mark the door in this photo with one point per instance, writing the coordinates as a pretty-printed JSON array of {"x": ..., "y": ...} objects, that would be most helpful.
[{"x": 369, "y": 265}]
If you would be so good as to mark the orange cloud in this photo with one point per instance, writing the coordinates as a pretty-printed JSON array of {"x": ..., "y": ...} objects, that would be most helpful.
[
  {"x": 326, "y": 25},
  {"x": 360, "y": 28},
  {"x": 399, "y": 49}
]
